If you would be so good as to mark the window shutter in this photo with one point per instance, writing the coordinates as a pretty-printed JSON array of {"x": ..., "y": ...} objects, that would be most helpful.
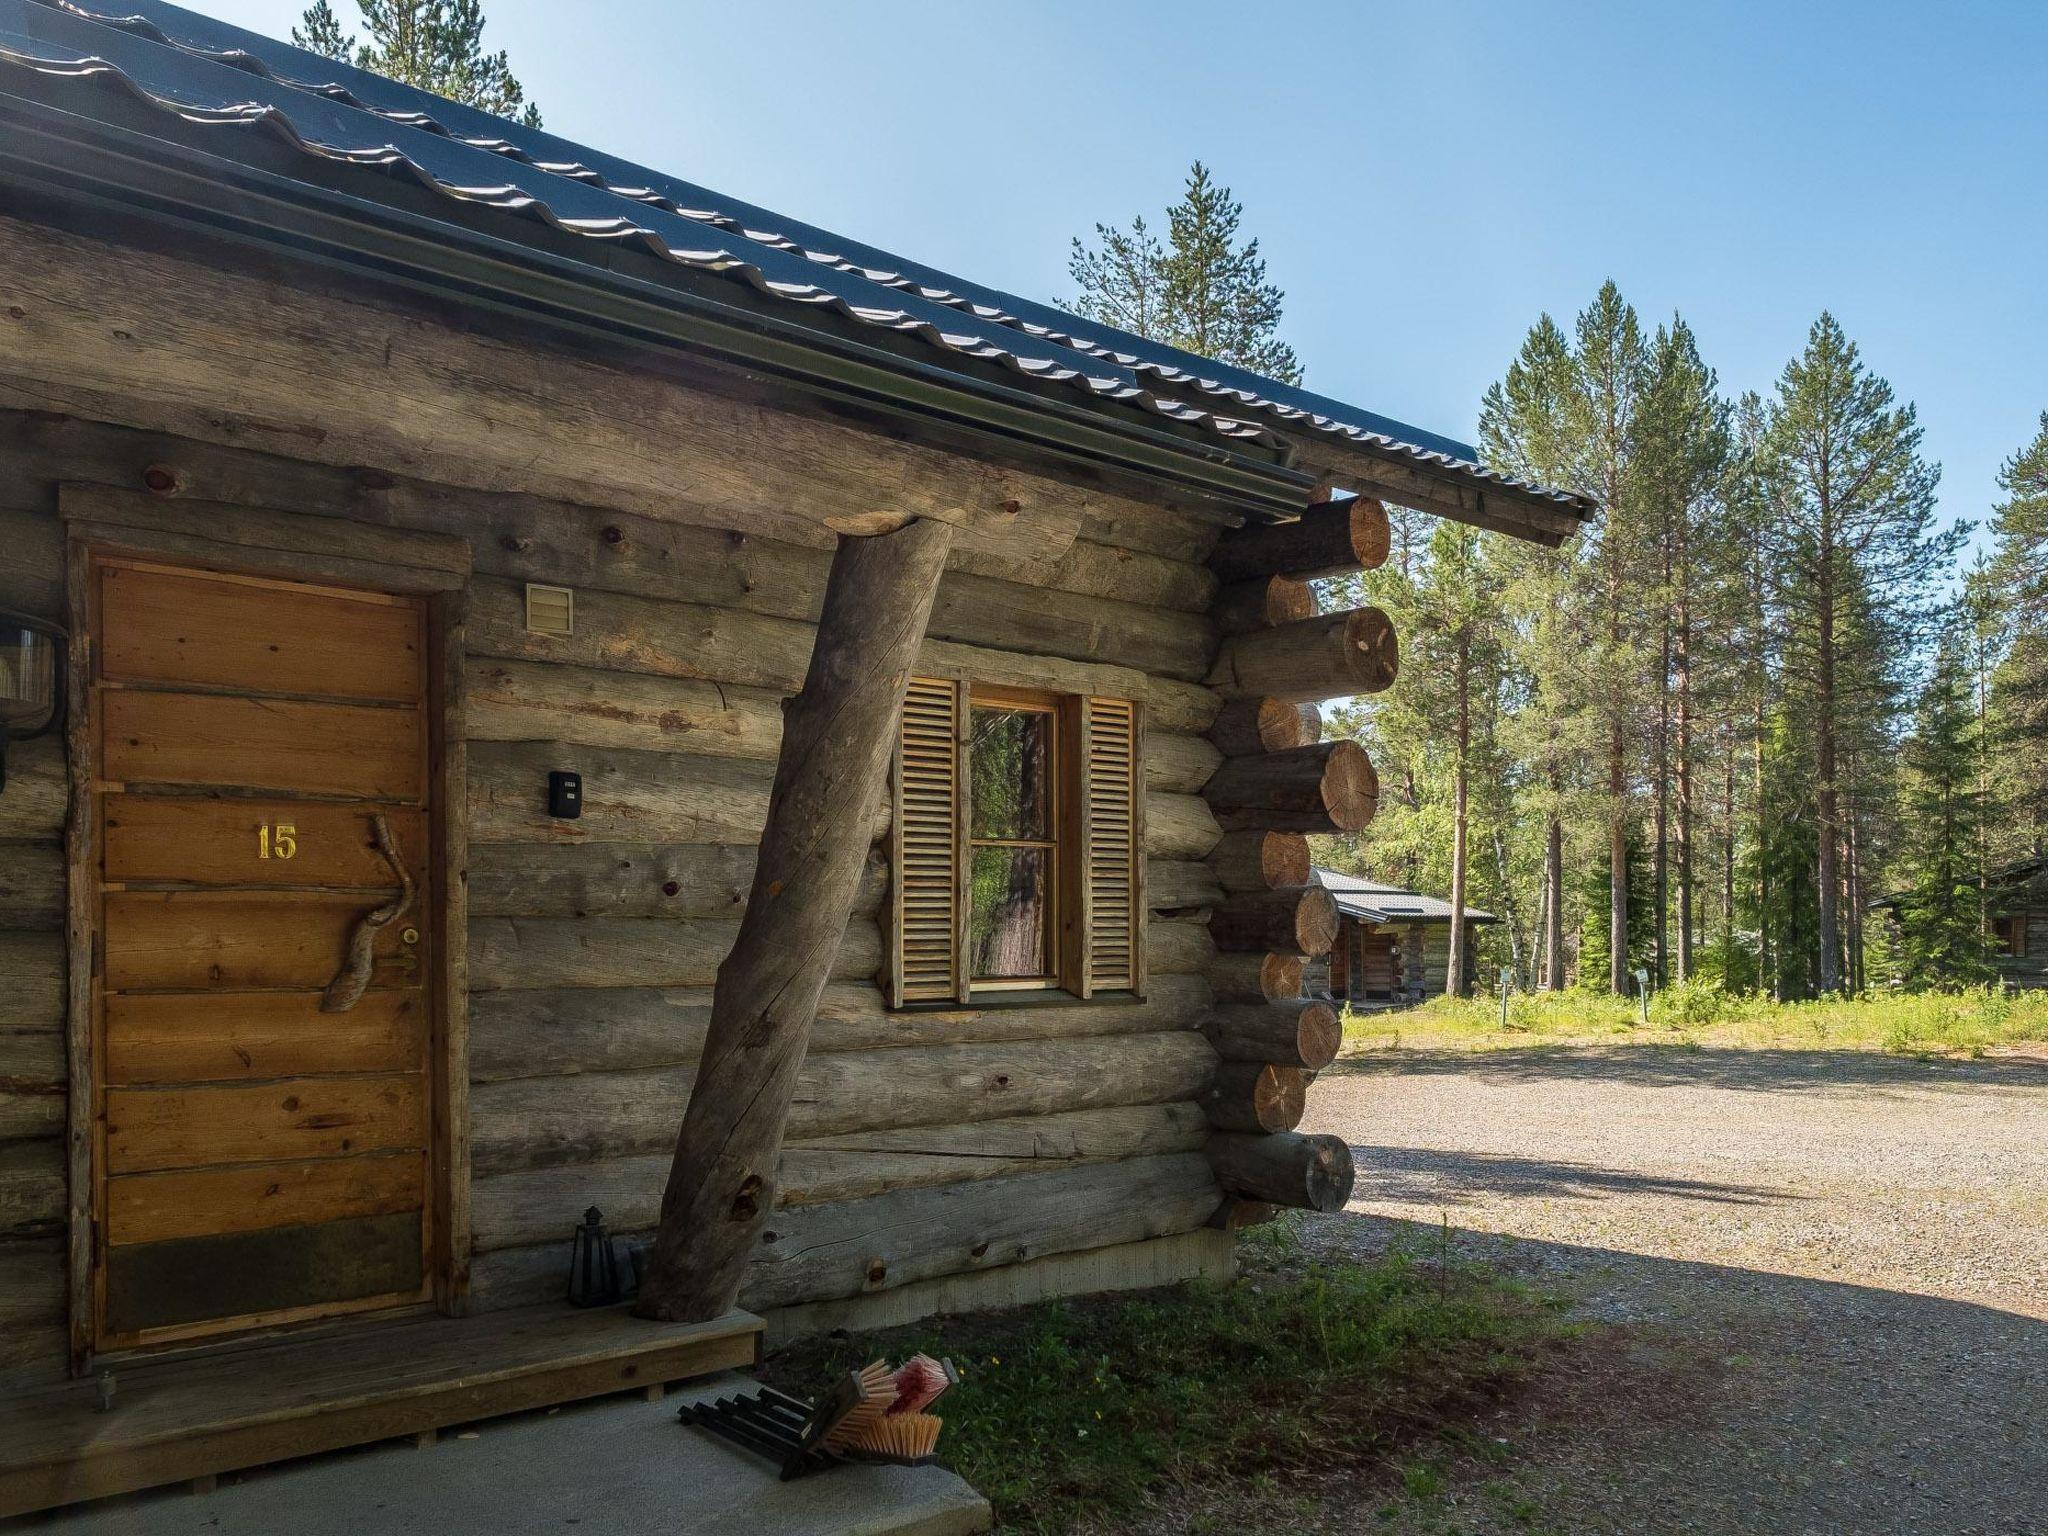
[
  {"x": 928, "y": 885},
  {"x": 1109, "y": 858}
]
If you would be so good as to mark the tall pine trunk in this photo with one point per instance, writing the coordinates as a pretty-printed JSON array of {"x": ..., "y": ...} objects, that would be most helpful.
[
  {"x": 1553, "y": 902},
  {"x": 1827, "y": 790},
  {"x": 1683, "y": 842},
  {"x": 1454, "y": 980},
  {"x": 1728, "y": 851},
  {"x": 1660, "y": 863}
]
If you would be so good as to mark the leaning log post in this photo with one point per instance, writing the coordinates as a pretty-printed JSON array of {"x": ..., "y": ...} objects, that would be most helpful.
[{"x": 837, "y": 737}]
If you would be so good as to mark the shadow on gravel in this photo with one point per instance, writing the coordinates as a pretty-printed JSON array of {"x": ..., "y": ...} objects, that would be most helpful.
[
  {"x": 1663, "y": 1066},
  {"x": 1412, "y": 1176},
  {"x": 1731, "y": 1400}
]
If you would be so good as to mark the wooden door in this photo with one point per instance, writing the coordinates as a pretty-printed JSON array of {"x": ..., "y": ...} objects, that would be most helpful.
[{"x": 263, "y": 1149}]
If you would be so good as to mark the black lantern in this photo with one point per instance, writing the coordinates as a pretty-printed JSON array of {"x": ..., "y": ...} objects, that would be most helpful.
[
  {"x": 594, "y": 1265},
  {"x": 31, "y": 693}
]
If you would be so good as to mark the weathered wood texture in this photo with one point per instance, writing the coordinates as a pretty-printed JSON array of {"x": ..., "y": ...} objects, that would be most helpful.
[
  {"x": 1299, "y": 920},
  {"x": 1329, "y": 787},
  {"x": 1290, "y": 1032},
  {"x": 1310, "y": 1173},
  {"x": 1260, "y": 861},
  {"x": 1310, "y": 660},
  {"x": 1259, "y": 1097},
  {"x": 1263, "y": 601},
  {"x": 1245, "y": 726},
  {"x": 1333, "y": 539},
  {"x": 1254, "y": 977}
]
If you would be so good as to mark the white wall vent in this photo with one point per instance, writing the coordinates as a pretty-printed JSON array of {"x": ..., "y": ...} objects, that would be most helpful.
[{"x": 550, "y": 610}]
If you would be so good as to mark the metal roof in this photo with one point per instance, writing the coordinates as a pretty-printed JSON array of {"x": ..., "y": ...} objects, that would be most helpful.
[
  {"x": 227, "y": 85},
  {"x": 1372, "y": 902}
]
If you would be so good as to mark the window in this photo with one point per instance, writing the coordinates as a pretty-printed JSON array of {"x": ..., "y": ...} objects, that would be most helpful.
[
  {"x": 1016, "y": 844},
  {"x": 2010, "y": 934}
]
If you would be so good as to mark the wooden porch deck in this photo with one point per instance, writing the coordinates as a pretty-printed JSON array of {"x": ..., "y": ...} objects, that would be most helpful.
[{"x": 198, "y": 1415}]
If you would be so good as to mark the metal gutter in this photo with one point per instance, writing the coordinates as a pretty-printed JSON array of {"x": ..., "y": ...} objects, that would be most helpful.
[{"x": 98, "y": 163}]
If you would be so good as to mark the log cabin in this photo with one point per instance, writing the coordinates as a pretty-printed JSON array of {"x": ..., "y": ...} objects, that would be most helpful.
[
  {"x": 2016, "y": 906},
  {"x": 1393, "y": 945},
  {"x": 418, "y": 533}
]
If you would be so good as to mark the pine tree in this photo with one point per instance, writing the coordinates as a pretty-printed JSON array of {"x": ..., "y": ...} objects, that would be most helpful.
[
  {"x": 1200, "y": 291},
  {"x": 436, "y": 45},
  {"x": 1941, "y": 911},
  {"x": 2014, "y": 588},
  {"x": 1852, "y": 506}
]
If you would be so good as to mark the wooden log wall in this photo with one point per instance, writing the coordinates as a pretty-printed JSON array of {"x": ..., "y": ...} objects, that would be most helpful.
[
  {"x": 1277, "y": 782},
  {"x": 593, "y": 943}
]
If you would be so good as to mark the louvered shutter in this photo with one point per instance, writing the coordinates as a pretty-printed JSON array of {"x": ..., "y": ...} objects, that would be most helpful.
[
  {"x": 1109, "y": 856},
  {"x": 928, "y": 895}
]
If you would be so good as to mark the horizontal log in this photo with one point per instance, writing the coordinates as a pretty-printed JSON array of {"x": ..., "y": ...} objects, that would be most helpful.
[
  {"x": 628, "y": 796},
  {"x": 1235, "y": 1215},
  {"x": 468, "y": 405},
  {"x": 1169, "y": 704},
  {"x": 32, "y": 577},
  {"x": 1289, "y": 1032},
  {"x": 553, "y": 1032},
  {"x": 1328, "y": 787},
  {"x": 850, "y": 1248},
  {"x": 1264, "y": 725},
  {"x": 1256, "y": 1096},
  {"x": 1333, "y": 539},
  {"x": 1252, "y": 977},
  {"x": 1308, "y": 1173},
  {"x": 1173, "y": 884},
  {"x": 1331, "y": 657},
  {"x": 1297, "y": 920},
  {"x": 32, "y": 1276},
  {"x": 587, "y": 1117},
  {"x": 586, "y": 706},
  {"x": 1262, "y": 602},
  {"x": 673, "y": 880},
  {"x": 1177, "y": 947},
  {"x": 538, "y": 1205},
  {"x": 512, "y": 952},
  {"x": 31, "y": 885},
  {"x": 38, "y": 791},
  {"x": 1260, "y": 861},
  {"x": 1178, "y": 764},
  {"x": 1179, "y": 827},
  {"x": 32, "y": 1187},
  {"x": 31, "y": 981}
]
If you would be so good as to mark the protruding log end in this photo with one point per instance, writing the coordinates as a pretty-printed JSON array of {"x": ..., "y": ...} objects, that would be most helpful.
[
  {"x": 1328, "y": 787},
  {"x": 1263, "y": 602},
  {"x": 1247, "y": 726},
  {"x": 1309, "y": 1173},
  {"x": 1334, "y": 656},
  {"x": 1332, "y": 539},
  {"x": 1305, "y": 1033},
  {"x": 1298, "y": 920},
  {"x": 1258, "y": 1096},
  {"x": 1255, "y": 978},
  {"x": 1255, "y": 860}
]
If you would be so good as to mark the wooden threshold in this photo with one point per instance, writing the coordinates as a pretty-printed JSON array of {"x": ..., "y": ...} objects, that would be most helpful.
[{"x": 199, "y": 1415}]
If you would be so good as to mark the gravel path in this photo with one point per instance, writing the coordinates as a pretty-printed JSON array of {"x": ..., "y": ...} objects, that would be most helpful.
[{"x": 1830, "y": 1272}]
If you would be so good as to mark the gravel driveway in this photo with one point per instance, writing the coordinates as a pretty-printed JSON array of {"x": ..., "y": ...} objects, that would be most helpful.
[{"x": 1829, "y": 1272}]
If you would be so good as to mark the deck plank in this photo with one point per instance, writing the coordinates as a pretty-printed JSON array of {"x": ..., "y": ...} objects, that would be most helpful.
[{"x": 243, "y": 1407}]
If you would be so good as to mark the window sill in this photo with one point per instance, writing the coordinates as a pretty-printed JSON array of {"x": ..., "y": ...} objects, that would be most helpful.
[{"x": 1006, "y": 1002}]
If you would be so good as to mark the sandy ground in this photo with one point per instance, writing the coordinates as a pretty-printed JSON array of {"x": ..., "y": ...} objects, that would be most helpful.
[{"x": 1819, "y": 1285}]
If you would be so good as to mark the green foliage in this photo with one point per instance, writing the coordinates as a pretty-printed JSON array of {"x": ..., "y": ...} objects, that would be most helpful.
[
  {"x": 435, "y": 45},
  {"x": 1091, "y": 1409},
  {"x": 1199, "y": 290},
  {"x": 2012, "y": 615}
]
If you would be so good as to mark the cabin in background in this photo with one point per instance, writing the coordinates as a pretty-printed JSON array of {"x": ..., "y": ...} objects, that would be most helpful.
[
  {"x": 1393, "y": 946},
  {"x": 425, "y": 520},
  {"x": 2016, "y": 900}
]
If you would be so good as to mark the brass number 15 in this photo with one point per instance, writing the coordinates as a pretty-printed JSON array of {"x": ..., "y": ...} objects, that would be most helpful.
[{"x": 278, "y": 842}]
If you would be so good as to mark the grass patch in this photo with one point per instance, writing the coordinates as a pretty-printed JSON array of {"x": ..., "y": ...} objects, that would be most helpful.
[
  {"x": 1931, "y": 1024},
  {"x": 1087, "y": 1410}
]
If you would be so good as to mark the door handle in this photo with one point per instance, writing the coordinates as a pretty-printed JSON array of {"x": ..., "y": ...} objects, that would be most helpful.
[{"x": 353, "y": 979}]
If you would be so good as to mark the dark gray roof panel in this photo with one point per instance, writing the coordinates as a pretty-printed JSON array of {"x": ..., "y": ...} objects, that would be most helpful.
[{"x": 214, "y": 74}]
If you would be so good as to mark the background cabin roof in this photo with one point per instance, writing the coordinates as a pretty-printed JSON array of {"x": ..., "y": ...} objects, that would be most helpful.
[
  {"x": 1370, "y": 901},
  {"x": 184, "y": 79}
]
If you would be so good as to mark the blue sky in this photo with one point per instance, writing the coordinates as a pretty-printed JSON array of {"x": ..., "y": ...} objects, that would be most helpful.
[{"x": 1425, "y": 179}]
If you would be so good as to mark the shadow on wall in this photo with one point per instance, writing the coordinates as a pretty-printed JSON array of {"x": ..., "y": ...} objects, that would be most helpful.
[{"x": 1767, "y": 1071}]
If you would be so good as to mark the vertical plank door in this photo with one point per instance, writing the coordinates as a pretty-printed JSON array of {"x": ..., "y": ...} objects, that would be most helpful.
[{"x": 259, "y": 1158}]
